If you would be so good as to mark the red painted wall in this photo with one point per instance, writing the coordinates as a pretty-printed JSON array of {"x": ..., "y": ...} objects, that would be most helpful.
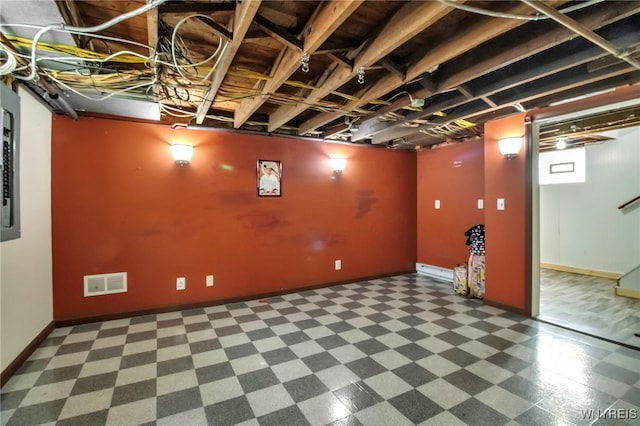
[
  {"x": 121, "y": 204},
  {"x": 454, "y": 175},
  {"x": 507, "y": 253}
]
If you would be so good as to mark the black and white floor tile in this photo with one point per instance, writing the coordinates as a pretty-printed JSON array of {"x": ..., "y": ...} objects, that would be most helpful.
[
  {"x": 590, "y": 305},
  {"x": 398, "y": 351}
]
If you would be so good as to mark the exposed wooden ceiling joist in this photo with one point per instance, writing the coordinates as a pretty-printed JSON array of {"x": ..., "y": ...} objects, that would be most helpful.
[
  {"x": 467, "y": 39},
  {"x": 197, "y": 7},
  {"x": 463, "y": 71},
  {"x": 400, "y": 28},
  {"x": 426, "y": 63},
  {"x": 454, "y": 78},
  {"x": 278, "y": 33},
  {"x": 152, "y": 30},
  {"x": 583, "y": 31},
  {"x": 327, "y": 19},
  {"x": 217, "y": 28},
  {"x": 69, "y": 10},
  {"x": 245, "y": 12}
]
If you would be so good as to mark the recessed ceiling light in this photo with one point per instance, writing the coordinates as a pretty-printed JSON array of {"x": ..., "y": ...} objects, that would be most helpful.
[{"x": 562, "y": 143}]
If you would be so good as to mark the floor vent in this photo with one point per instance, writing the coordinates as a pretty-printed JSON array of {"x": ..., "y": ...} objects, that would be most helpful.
[{"x": 96, "y": 285}]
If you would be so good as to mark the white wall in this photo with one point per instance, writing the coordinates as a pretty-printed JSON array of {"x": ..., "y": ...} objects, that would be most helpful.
[
  {"x": 26, "y": 296},
  {"x": 580, "y": 224}
]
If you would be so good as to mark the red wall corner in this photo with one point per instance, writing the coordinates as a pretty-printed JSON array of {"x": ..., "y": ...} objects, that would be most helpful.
[{"x": 507, "y": 247}]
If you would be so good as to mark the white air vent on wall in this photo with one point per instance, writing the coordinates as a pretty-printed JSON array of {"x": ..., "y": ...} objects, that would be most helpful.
[{"x": 95, "y": 285}]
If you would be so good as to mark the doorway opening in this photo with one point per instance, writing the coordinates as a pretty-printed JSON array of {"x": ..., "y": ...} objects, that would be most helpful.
[{"x": 586, "y": 238}]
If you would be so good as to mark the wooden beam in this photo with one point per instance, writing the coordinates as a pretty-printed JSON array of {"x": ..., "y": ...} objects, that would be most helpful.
[
  {"x": 464, "y": 89},
  {"x": 421, "y": 63},
  {"x": 576, "y": 88},
  {"x": 621, "y": 94},
  {"x": 400, "y": 28},
  {"x": 385, "y": 85},
  {"x": 278, "y": 33},
  {"x": 327, "y": 19},
  {"x": 568, "y": 86},
  {"x": 152, "y": 30},
  {"x": 487, "y": 100},
  {"x": 71, "y": 15},
  {"x": 607, "y": 13},
  {"x": 272, "y": 11},
  {"x": 467, "y": 39},
  {"x": 394, "y": 68},
  {"x": 609, "y": 60},
  {"x": 217, "y": 28},
  {"x": 525, "y": 75},
  {"x": 340, "y": 60},
  {"x": 243, "y": 17},
  {"x": 334, "y": 131},
  {"x": 196, "y": 7},
  {"x": 534, "y": 69},
  {"x": 335, "y": 50},
  {"x": 582, "y": 31}
]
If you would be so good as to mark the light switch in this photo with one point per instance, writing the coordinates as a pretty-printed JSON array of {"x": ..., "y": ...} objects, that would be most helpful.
[
  {"x": 500, "y": 203},
  {"x": 481, "y": 204},
  {"x": 437, "y": 204}
]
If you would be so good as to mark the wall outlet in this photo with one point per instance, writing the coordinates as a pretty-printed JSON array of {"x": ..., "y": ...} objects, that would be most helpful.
[
  {"x": 480, "y": 204},
  {"x": 500, "y": 204},
  {"x": 209, "y": 280},
  {"x": 338, "y": 265},
  {"x": 181, "y": 283},
  {"x": 437, "y": 204}
]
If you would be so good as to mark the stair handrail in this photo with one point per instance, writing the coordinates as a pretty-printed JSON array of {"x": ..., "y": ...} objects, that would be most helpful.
[
  {"x": 628, "y": 203},
  {"x": 628, "y": 272}
]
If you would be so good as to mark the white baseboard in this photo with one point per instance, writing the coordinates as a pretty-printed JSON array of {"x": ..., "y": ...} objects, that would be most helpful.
[
  {"x": 437, "y": 272},
  {"x": 582, "y": 271}
]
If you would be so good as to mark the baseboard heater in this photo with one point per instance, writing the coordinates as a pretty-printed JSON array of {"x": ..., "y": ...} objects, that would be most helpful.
[{"x": 437, "y": 272}]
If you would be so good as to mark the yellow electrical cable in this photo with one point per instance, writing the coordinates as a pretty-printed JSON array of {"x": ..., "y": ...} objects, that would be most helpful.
[
  {"x": 464, "y": 123},
  {"x": 114, "y": 81},
  {"x": 72, "y": 50}
]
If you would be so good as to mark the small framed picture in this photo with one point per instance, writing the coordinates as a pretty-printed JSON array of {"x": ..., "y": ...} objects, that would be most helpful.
[{"x": 269, "y": 176}]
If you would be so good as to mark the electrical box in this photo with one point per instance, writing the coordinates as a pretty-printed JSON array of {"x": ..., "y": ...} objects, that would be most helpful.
[{"x": 9, "y": 164}]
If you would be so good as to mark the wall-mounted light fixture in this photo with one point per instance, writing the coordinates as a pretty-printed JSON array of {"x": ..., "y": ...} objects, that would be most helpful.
[
  {"x": 338, "y": 165},
  {"x": 510, "y": 147},
  {"x": 182, "y": 153}
]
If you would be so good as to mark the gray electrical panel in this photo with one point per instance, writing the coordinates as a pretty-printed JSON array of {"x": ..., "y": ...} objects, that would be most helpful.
[{"x": 10, "y": 164}]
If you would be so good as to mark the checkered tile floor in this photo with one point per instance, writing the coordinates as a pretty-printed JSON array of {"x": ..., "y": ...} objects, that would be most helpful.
[{"x": 398, "y": 351}]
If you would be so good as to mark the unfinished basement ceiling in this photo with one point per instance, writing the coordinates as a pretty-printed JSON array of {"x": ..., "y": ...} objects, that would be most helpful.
[
  {"x": 586, "y": 127},
  {"x": 394, "y": 73}
]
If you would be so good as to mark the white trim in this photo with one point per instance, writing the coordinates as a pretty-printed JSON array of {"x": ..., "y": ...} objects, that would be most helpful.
[{"x": 435, "y": 272}]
